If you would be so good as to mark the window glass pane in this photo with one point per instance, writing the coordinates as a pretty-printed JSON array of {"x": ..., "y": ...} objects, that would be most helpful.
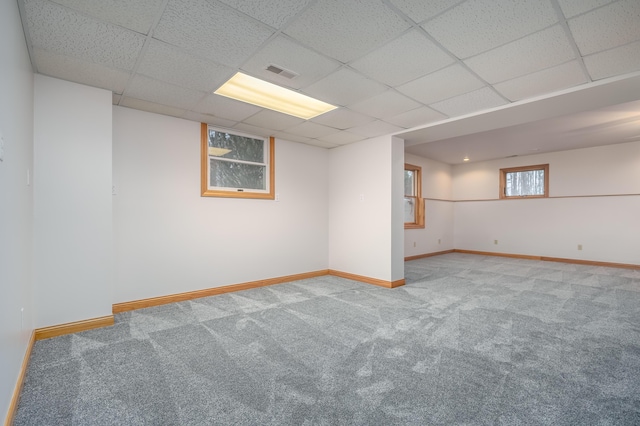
[
  {"x": 409, "y": 210},
  {"x": 408, "y": 182},
  {"x": 525, "y": 183},
  {"x": 235, "y": 147},
  {"x": 228, "y": 174}
]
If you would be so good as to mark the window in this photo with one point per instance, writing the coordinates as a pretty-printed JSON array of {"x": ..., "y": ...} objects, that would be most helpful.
[
  {"x": 527, "y": 181},
  {"x": 235, "y": 165},
  {"x": 413, "y": 203}
]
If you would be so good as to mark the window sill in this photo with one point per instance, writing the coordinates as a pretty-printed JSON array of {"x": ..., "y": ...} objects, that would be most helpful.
[{"x": 413, "y": 226}]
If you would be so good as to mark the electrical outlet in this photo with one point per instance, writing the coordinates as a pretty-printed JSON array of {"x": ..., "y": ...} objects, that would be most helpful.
[
  {"x": 579, "y": 246},
  {"x": 277, "y": 196},
  {"x": 495, "y": 241}
]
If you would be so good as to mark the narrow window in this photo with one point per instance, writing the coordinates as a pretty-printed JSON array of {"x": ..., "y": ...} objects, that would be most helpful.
[
  {"x": 234, "y": 165},
  {"x": 413, "y": 202},
  {"x": 527, "y": 181}
]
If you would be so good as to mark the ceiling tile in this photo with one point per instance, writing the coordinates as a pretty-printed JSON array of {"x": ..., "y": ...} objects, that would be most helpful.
[
  {"x": 151, "y": 107},
  {"x": 287, "y": 54},
  {"x": 560, "y": 77},
  {"x": 420, "y": 10},
  {"x": 377, "y": 128},
  {"x": 229, "y": 109},
  {"x": 342, "y": 118},
  {"x": 386, "y": 104},
  {"x": 173, "y": 65},
  {"x": 253, "y": 130},
  {"x": 62, "y": 31},
  {"x": 291, "y": 138},
  {"x": 311, "y": 130},
  {"x": 344, "y": 87},
  {"x": 571, "y": 8},
  {"x": 342, "y": 138},
  {"x": 136, "y": 15},
  {"x": 326, "y": 24},
  {"x": 79, "y": 71},
  {"x": 322, "y": 144},
  {"x": 416, "y": 117},
  {"x": 274, "y": 13},
  {"x": 535, "y": 52},
  {"x": 621, "y": 60},
  {"x": 209, "y": 119},
  {"x": 443, "y": 84},
  {"x": 476, "y": 26},
  {"x": 478, "y": 100},
  {"x": 189, "y": 25},
  {"x": 607, "y": 27},
  {"x": 273, "y": 120},
  {"x": 156, "y": 91},
  {"x": 417, "y": 54}
]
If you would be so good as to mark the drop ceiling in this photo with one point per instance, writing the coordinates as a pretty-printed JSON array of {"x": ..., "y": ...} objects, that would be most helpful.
[{"x": 418, "y": 69}]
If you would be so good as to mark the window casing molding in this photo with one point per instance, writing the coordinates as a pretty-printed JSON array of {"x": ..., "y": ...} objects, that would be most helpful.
[
  {"x": 504, "y": 178},
  {"x": 415, "y": 198},
  {"x": 207, "y": 191}
]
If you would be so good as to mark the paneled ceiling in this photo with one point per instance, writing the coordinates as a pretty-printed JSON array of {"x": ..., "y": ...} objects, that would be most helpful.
[{"x": 391, "y": 65}]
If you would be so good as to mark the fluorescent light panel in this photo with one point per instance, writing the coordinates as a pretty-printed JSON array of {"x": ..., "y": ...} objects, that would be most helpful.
[{"x": 252, "y": 90}]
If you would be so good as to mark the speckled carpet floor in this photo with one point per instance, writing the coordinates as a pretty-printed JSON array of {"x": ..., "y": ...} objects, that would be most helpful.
[{"x": 469, "y": 340}]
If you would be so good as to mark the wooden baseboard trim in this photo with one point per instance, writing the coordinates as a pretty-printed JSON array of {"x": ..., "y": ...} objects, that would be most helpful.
[
  {"x": 590, "y": 262},
  {"x": 73, "y": 327},
  {"x": 422, "y": 256},
  {"x": 15, "y": 398},
  {"x": 552, "y": 259},
  {"x": 367, "y": 280},
  {"x": 491, "y": 253},
  {"x": 181, "y": 297}
]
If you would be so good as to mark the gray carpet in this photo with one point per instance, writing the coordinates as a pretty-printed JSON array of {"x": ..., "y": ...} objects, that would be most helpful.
[{"x": 469, "y": 340}]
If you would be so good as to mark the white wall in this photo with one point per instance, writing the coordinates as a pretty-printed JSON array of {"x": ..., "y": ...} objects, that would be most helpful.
[
  {"x": 436, "y": 185},
  {"x": 397, "y": 209},
  {"x": 72, "y": 210},
  {"x": 606, "y": 226},
  {"x": 361, "y": 231},
  {"x": 169, "y": 239},
  {"x": 16, "y": 199}
]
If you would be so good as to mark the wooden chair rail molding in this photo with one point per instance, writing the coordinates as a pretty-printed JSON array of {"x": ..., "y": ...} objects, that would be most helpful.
[{"x": 530, "y": 198}]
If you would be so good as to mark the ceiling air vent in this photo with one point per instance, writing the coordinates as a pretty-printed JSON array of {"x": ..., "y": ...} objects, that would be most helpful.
[{"x": 282, "y": 72}]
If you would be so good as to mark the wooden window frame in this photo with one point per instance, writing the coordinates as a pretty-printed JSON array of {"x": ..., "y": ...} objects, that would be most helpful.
[
  {"x": 503, "y": 181},
  {"x": 419, "y": 201},
  {"x": 245, "y": 193}
]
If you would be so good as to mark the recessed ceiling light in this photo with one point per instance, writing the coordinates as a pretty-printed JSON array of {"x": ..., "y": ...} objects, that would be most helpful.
[
  {"x": 258, "y": 92},
  {"x": 465, "y": 159}
]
